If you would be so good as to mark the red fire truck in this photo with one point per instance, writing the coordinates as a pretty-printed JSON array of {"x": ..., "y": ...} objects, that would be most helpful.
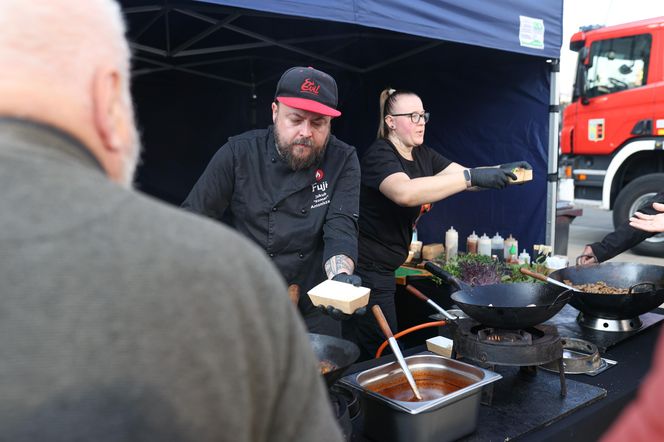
[{"x": 612, "y": 139}]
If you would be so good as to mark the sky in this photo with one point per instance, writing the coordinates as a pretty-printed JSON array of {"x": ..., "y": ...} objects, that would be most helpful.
[{"x": 603, "y": 12}]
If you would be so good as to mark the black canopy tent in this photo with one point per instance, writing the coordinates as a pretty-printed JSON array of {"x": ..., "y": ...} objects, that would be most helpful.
[{"x": 204, "y": 72}]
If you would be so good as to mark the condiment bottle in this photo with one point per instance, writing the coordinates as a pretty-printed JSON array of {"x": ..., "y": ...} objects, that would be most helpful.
[
  {"x": 484, "y": 245},
  {"x": 471, "y": 243},
  {"x": 524, "y": 257},
  {"x": 511, "y": 249},
  {"x": 451, "y": 243},
  {"x": 497, "y": 245}
]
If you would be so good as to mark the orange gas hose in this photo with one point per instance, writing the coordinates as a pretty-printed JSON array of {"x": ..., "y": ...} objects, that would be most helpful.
[{"x": 408, "y": 330}]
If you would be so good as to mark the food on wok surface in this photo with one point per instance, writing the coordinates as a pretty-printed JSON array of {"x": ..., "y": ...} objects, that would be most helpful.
[
  {"x": 598, "y": 287},
  {"x": 326, "y": 366}
]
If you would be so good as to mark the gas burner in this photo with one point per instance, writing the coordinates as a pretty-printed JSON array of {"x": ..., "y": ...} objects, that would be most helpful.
[
  {"x": 610, "y": 325},
  {"x": 533, "y": 346},
  {"x": 507, "y": 337},
  {"x": 525, "y": 348}
]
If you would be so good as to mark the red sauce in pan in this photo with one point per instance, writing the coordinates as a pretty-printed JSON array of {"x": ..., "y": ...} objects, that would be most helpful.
[{"x": 432, "y": 385}]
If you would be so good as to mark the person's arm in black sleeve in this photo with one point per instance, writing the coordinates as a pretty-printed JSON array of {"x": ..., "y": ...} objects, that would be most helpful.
[
  {"x": 341, "y": 229},
  {"x": 624, "y": 237},
  {"x": 212, "y": 193}
]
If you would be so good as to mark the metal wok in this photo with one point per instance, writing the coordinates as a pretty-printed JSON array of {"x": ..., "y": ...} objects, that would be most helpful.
[
  {"x": 646, "y": 284},
  {"x": 335, "y": 351},
  {"x": 507, "y": 306}
]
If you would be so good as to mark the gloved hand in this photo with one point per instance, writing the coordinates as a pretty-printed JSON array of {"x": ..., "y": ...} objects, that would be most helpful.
[
  {"x": 337, "y": 314},
  {"x": 514, "y": 165},
  {"x": 490, "y": 178},
  {"x": 348, "y": 279}
]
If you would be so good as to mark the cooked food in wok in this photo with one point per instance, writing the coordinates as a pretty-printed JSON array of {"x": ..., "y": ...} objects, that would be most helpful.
[
  {"x": 598, "y": 287},
  {"x": 326, "y": 366}
]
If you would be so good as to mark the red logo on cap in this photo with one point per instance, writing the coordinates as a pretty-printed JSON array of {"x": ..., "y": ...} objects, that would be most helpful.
[
  {"x": 309, "y": 86},
  {"x": 319, "y": 174}
]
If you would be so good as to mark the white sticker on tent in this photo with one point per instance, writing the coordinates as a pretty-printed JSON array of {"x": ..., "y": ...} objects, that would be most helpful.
[{"x": 531, "y": 32}]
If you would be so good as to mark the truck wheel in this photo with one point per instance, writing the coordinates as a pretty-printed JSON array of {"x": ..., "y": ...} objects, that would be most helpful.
[{"x": 633, "y": 196}]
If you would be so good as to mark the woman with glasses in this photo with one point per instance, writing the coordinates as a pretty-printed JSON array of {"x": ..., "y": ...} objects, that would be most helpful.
[{"x": 400, "y": 174}]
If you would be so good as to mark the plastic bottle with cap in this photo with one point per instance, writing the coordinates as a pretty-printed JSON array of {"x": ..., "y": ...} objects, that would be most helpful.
[
  {"x": 451, "y": 244},
  {"x": 524, "y": 257},
  {"x": 497, "y": 246},
  {"x": 471, "y": 243},
  {"x": 484, "y": 245},
  {"x": 511, "y": 249}
]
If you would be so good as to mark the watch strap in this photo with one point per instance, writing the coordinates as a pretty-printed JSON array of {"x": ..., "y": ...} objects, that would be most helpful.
[{"x": 466, "y": 175}]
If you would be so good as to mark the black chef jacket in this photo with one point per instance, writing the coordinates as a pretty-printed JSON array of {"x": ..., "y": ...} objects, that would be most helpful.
[
  {"x": 625, "y": 236},
  {"x": 300, "y": 218}
]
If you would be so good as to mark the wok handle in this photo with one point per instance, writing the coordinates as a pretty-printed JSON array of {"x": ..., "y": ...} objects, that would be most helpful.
[
  {"x": 646, "y": 283},
  {"x": 569, "y": 294},
  {"x": 294, "y": 293},
  {"x": 532, "y": 274},
  {"x": 418, "y": 294},
  {"x": 544, "y": 278},
  {"x": 382, "y": 322},
  {"x": 445, "y": 276}
]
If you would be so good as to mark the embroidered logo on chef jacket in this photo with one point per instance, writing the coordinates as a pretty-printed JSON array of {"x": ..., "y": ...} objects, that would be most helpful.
[
  {"x": 321, "y": 197},
  {"x": 319, "y": 174}
]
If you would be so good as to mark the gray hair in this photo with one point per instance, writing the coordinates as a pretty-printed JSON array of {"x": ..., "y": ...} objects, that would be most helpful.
[{"x": 62, "y": 42}]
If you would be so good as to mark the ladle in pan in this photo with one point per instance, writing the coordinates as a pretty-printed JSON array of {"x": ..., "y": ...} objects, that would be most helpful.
[
  {"x": 545, "y": 278},
  {"x": 384, "y": 326},
  {"x": 418, "y": 294}
]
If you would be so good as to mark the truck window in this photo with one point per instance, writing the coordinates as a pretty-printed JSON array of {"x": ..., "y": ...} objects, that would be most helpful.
[{"x": 618, "y": 64}]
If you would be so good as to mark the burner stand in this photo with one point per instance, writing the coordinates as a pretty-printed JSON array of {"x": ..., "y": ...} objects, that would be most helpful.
[
  {"x": 611, "y": 325},
  {"x": 521, "y": 348}
]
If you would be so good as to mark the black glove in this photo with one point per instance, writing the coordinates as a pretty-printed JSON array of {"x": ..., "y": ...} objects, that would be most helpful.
[
  {"x": 490, "y": 178},
  {"x": 348, "y": 279},
  {"x": 514, "y": 165},
  {"x": 337, "y": 314}
]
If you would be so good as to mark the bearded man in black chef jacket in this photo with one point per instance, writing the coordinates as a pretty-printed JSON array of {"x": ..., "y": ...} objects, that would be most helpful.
[{"x": 293, "y": 188}]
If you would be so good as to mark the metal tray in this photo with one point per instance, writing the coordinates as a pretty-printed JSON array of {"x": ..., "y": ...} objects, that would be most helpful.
[
  {"x": 430, "y": 362},
  {"x": 446, "y": 418}
]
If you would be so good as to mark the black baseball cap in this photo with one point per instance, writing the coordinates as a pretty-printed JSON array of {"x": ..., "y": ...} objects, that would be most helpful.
[{"x": 308, "y": 89}]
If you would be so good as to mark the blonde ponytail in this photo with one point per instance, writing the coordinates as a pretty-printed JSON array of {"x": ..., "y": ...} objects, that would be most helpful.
[{"x": 382, "y": 127}]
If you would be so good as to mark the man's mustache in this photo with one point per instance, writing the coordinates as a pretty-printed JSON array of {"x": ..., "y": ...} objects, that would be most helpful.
[{"x": 303, "y": 141}]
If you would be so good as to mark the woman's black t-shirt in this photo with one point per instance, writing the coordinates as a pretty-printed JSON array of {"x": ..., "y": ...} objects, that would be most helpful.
[{"x": 385, "y": 227}]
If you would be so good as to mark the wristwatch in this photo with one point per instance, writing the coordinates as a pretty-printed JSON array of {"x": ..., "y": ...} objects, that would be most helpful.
[{"x": 466, "y": 175}]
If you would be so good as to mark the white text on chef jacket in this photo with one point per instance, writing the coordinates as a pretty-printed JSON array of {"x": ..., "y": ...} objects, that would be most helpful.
[{"x": 321, "y": 198}]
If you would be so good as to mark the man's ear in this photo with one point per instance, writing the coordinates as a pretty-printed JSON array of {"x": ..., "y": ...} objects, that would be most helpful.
[
  {"x": 275, "y": 109},
  {"x": 108, "y": 109}
]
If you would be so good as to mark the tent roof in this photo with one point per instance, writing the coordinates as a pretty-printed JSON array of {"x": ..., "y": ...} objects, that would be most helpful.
[
  {"x": 250, "y": 42},
  {"x": 486, "y": 23}
]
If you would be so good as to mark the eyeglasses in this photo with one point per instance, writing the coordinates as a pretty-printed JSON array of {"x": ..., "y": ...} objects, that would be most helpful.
[{"x": 414, "y": 116}]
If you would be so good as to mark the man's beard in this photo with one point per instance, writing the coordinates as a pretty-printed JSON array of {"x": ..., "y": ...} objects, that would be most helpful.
[
  {"x": 133, "y": 158},
  {"x": 132, "y": 161},
  {"x": 299, "y": 162}
]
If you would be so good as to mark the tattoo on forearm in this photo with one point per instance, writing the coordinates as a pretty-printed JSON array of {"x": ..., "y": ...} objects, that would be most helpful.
[{"x": 339, "y": 264}]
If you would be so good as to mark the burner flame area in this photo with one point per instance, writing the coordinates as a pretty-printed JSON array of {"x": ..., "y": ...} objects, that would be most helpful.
[{"x": 495, "y": 335}]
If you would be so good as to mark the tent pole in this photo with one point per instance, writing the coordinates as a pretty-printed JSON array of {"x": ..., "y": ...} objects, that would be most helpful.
[{"x": 552, "y": 165}]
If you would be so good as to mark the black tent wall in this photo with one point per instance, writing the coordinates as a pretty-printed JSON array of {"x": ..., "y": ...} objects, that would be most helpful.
[{"x": 487, "y": 107}]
